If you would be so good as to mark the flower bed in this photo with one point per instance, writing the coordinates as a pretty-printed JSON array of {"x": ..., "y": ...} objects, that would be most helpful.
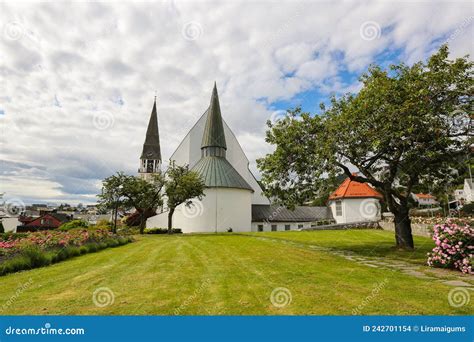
[
  {"x": 46, "y": 247},
  {"x": 454, "y": 245}
]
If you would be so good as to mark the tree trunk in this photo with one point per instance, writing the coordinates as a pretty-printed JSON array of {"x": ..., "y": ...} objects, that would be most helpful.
[
  {"x": 142, "y": 223},
  {"x": 115, "y": 219},
  {"x": 403, "y": 236},
  {"x": 170, "y": 221}
]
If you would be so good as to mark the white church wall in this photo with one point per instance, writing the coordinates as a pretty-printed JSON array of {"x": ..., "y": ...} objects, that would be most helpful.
[{"x": 219, "y": 210}]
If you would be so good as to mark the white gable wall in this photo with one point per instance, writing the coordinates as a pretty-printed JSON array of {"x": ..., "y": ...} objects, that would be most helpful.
[
  {"x": 189, "y": 152},
  {"x": 357, "y": 210}
]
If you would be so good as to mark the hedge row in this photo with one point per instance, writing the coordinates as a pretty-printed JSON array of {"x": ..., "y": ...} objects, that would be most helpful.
[{"x": 33, "y": 256}]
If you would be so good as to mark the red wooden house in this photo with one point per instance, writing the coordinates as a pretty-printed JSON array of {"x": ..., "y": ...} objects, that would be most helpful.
[{"x": 46, "y": 220}]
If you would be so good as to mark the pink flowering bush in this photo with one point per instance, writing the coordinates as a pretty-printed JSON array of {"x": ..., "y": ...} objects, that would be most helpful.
[
  {"x": 46, "y": 247},
  {"x": 50, "y": 239},
  {"x": 454, "y": 245}
]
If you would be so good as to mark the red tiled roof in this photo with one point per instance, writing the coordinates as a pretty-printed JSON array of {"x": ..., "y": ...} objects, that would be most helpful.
[{"x": 353, "y": 189}]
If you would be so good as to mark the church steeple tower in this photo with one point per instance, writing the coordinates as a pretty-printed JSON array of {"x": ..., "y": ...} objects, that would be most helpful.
[
  {"x": 150, "y": 160},
  {"x": 213, "y": 139}
]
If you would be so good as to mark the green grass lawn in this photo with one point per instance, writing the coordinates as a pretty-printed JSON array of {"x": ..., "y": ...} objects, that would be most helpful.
[
  {"x": 224, "y": 274},
  {"x": 376, "y": 243}
]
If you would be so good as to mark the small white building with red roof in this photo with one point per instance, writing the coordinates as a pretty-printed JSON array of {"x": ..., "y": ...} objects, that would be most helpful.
[{"x": 355, "y": 202}]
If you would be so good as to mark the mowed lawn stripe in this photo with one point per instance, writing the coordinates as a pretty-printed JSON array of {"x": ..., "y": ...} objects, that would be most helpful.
[{"x": 221, "y": 274}]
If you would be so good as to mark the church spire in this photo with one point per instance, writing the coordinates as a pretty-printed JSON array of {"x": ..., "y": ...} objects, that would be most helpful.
[
  {"x": 150, "y": 160},
  {"x": 151, "y": 147},
  {"x": 214, "y": 130}
]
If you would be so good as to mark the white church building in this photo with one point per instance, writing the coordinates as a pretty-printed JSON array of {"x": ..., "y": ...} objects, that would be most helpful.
[{"x": 233, "y": 198}]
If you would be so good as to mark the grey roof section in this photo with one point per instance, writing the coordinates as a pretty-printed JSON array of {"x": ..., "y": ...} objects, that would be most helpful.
[
  {"x": 151, "y": 147},
  {"x": 214, "y": 130},
  {"x": 217, "y": 172},
  {"x": 276, "y": 213}
]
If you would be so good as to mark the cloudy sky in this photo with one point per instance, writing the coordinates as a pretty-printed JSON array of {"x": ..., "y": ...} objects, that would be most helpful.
[{"x": 78, "y": 80}]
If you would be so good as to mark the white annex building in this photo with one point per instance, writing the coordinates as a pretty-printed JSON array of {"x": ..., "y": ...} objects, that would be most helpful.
[
  {"x": 233, "y": 198},
  {"x": 355, "y": 202}
]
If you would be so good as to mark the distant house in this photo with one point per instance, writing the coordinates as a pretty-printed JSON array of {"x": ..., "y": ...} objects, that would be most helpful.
[
  {"x": 355, "y": 202},
  {"x": 459, "y": 195},
  {"x": 425, "y": 200},
  {"x": 46, "y": 220},
  {"x": 468, "y": 190},
  {"x": 278, "y": 218}
]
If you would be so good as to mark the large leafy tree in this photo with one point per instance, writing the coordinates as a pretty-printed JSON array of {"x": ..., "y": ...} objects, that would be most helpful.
[
  {"x": 133, "y": 192},
  {"x": 407, "y": 126},
  {"x": 182, "y": 185}
]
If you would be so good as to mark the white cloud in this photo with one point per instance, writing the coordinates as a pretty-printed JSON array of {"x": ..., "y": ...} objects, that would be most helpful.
[{"x": 63, "y": 65}]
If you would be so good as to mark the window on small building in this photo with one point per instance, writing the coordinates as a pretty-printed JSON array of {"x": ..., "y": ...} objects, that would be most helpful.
[
  {"x": 287, "y": 227},
  {"x": 338, "y": 208},
  {"x": 274, "y": 227},
  {"x": 260, "y": 227},
  {"x": 300, "y": 226}
]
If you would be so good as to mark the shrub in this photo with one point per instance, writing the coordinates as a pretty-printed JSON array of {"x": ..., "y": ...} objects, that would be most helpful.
[
  {"x": 37, "y": 257},
  {"x": 112, "y": 242},
  {"x": 122, "y": 240},
  {"x": 126, "y": 230},
  {"x": 12, "y": 236},
  {"x": 104, "y": 224},
  {"x": 454, "y": 246},
  {"x": 24, "y": 251},
  {"x": 92, "y": 247},
  {"x": 102, "y": 245},
  {"x": 162, "y": 231},
  {"x": 16, "y": 264},
  {"x": 73, "y": 251},
  {"x": 468, "y": 209},
  {"x": 73, "y": 224}
]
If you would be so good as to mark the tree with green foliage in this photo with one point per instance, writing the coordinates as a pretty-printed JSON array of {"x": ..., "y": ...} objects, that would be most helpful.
[
  {"x": 127, "y": 191},
  {"x": 408, "y": 125},
  {"x": 182, "y": 185}
]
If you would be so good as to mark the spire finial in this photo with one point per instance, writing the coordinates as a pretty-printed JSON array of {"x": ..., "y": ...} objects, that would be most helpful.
[{"x": 156, "y": 93}]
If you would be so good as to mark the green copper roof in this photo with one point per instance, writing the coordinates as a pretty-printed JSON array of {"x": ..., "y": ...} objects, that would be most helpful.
[
  {"x": 214, "y": 130},
  {"x": 217, "y": 172},
  {"x": 151, "y": 147}
]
